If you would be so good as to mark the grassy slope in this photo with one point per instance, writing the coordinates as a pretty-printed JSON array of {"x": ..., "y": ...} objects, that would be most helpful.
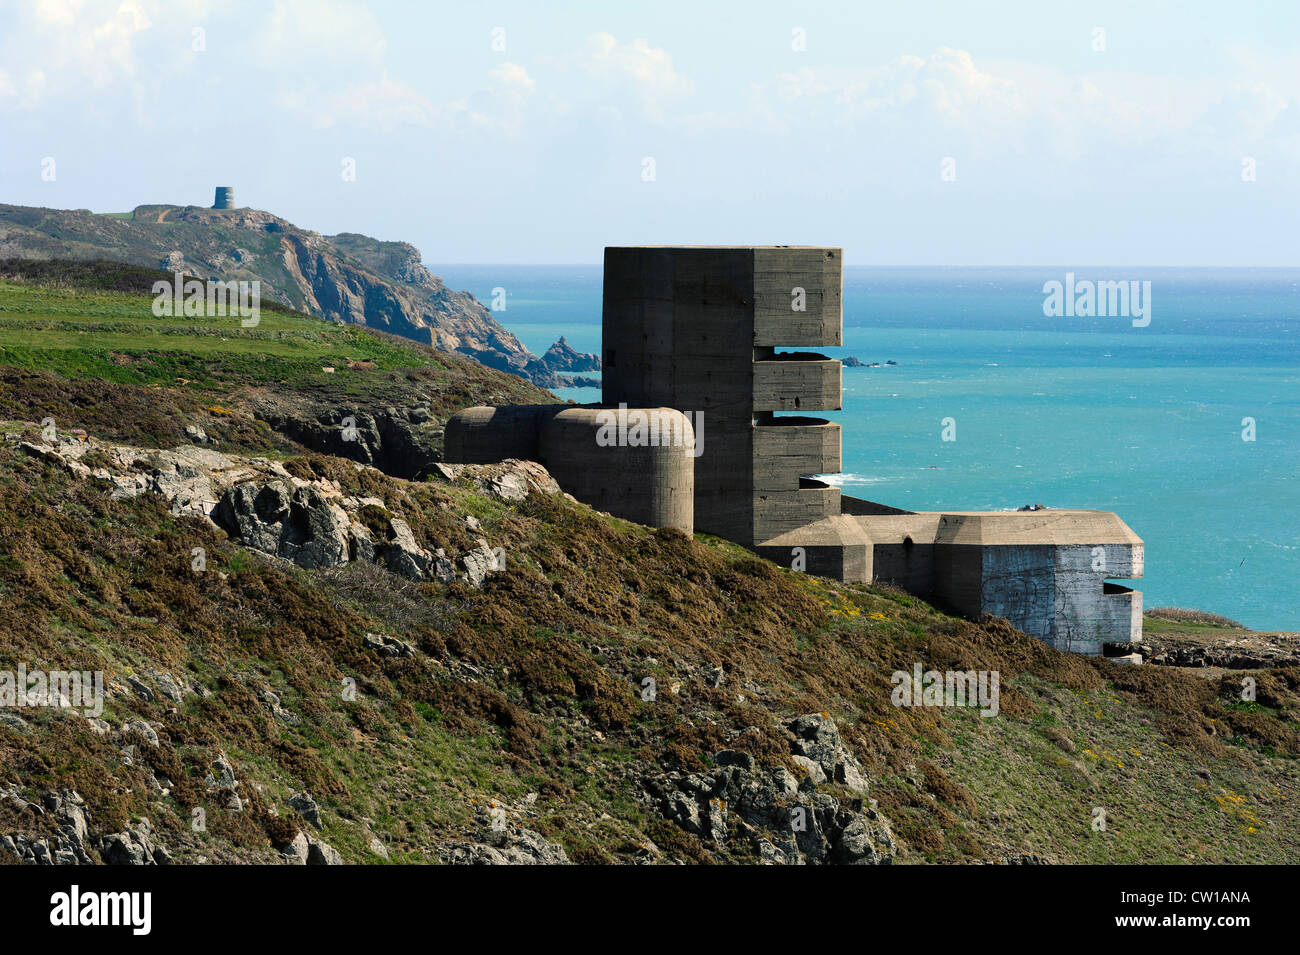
[
  {"x": 530, "y": 685},
  {"x": 98, "y": 358}
]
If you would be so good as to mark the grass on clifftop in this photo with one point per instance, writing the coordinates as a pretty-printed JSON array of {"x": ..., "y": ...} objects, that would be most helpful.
[
  {"x": 80, "y": 343},
  {"x": 526, "y": 693}
]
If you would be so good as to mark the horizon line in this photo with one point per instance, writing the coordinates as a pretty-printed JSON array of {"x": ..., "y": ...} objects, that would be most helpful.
[{"x": 599, "y": 265}]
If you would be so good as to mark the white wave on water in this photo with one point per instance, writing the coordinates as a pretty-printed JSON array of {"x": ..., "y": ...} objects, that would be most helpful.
[{"x": 841, "y": 480}]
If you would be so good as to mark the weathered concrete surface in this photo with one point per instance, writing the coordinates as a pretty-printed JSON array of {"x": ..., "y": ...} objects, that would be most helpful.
[
  {"x": 644, "y": 476},
  {"x": 777, "y": 272},
  {"x": 1048, "y": 571},
  {"x": 785, "y": 449},
  {"x": 832, "y": 547},
  {"x": 651, "y": 484},
  {"x": 797, "y": 382},
  {"x": 697, "y": 329},
  {"x": 484, "y": 435}
]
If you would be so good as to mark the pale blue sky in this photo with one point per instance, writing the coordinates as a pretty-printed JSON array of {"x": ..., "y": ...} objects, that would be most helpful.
[{"x": 1063, "y": 154}]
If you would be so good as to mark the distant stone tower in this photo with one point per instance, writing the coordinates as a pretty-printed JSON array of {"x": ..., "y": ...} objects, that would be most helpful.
[{"x": 225, "y": 198}]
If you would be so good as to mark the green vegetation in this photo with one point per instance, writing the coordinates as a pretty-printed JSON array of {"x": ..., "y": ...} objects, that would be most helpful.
[
  {"x": 526, "y": 692},
  {"x": 114, "y": 336},
  {"x": 80, "y": 343}
]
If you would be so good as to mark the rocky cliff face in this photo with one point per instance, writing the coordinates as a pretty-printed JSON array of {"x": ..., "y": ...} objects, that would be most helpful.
[
  {"x": 562, "y": 357},
  {"x": 344, "y": 278}
]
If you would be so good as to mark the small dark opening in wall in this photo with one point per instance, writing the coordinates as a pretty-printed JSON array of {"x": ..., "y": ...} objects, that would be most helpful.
[{"x": 907, "y": 543}]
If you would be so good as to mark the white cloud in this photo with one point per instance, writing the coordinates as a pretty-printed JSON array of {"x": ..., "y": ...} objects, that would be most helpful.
[
  {"x": 383, "y": 104},
  {"x": 355, "y": 89},
  {"x": 342, "y": 33},
  {"x": 79, "y": 48},
  {"x": 78, "y": 42},
  {"x": 512, "y": 80},
  {"x": 647, "y": 71},
  {"x": 502, "y": 106},
  {"x": 952, "y": 100}
]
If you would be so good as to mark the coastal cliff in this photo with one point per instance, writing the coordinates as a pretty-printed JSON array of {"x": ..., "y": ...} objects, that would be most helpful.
[
  {"x": 348, "y": 278},
  {"x": 342, "y": 649}
]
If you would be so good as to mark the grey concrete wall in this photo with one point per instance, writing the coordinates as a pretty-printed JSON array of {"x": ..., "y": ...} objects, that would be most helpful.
[
  {"x": 778, "y": 271},
  {"x": 677, "y": 326},
  {"x": 833, "y": 547},
  {"x": 958, "y": 579},
  {"x": 485, "y": 435},
  {"x": 681, "y": 329},
  {"x": 787, "y": 384},
  {"x": 651, "y": 485},
  {"x": 1053, "y": 592},
  {"x": 850, "y": 562},
  {"x": 909, "y": 565},
  {"x": 1087, "y": 611},
  {"x": 785, "y": 449}
]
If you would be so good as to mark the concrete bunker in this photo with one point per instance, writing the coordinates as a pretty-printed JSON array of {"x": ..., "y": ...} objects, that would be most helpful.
[
  {"x": 699, "y": 330},
  {"x": 650, "y": 481}
]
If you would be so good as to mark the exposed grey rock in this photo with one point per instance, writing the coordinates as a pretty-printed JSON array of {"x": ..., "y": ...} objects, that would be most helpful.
[
  {"x": 816, "y": 738},
  {"x": 322, "y": 853},
  {"x": 388, "y": 646},
  {"x": 785, "y": 781},
  {"x": 311, "y": 523},
  {"x": 169, "y": 686},
  {"x": 563, "y": 357},
  {"x": 785, "y": 823},
  {"x": 299, "y": 525},
  {"x": 69, "y": 847},
  {"x": 256, "y": 515},
  {"x": 403, "y": 555},
  {"x": 505, "y": 847},
  {"x": 139, "y": 729},
  {"x": 510, "y": 486},
  {"x": 508, "y": 480},
  {"x": 444, "y": 571},
  {"x": 222, "y": 775},
  {"x": 297, "y": 850},
  {"x": 307, "y": 808},
  {"x": 812, "y": 768},
  {"x": 141, "y": 690},
  {"x": 279, "y": 712},
  {"x": 135, "y": 845},
  {"x": 850, "y": 776},
  {"x": 478, "y": 563},
  {"x": 316, "y": 534},
  {"x": 360, "y": 544}
]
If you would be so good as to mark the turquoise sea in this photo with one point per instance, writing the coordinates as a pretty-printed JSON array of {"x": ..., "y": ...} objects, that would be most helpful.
[{"x": 1066, "y": 412}]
